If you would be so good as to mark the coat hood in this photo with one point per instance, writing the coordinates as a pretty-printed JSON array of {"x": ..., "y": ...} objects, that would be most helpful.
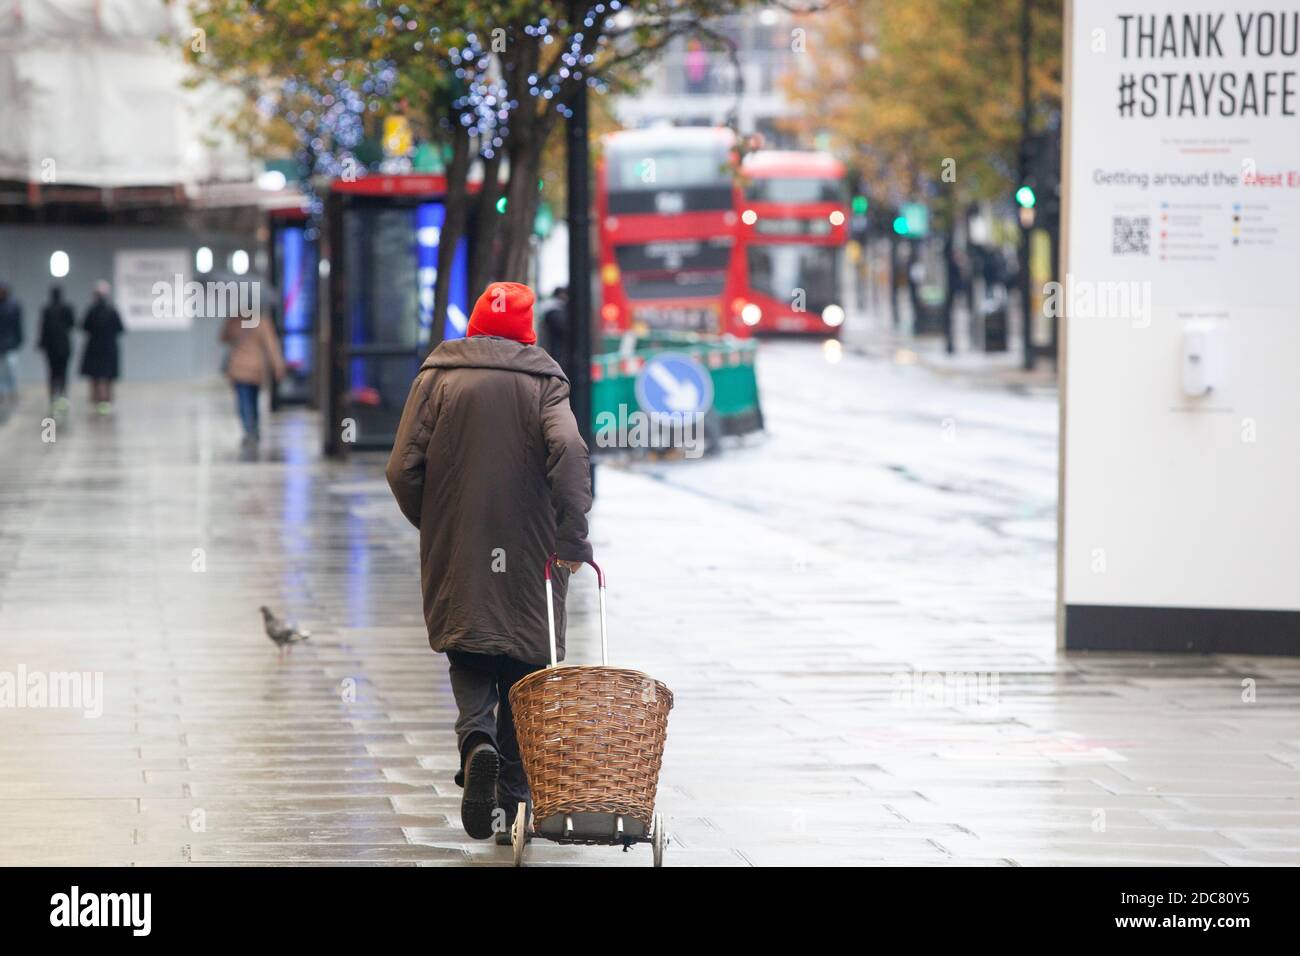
[{"x": 489, "y": 351}]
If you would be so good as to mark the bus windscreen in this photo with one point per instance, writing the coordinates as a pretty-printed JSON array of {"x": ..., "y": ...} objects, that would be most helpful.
[
  {"x": 669, "y": 180},
  {"x": 774, "y": 270},
  {"x": 795, "y": 189}
]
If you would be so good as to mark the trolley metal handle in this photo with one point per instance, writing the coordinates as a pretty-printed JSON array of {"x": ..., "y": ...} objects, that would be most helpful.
[{"x": 550, "y": 608}]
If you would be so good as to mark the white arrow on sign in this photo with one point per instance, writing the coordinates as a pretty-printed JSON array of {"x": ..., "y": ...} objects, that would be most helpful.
[{"x": 679, "y": 396}]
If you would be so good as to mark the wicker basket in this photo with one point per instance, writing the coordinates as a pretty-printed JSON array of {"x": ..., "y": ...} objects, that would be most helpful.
[{"x": 592, "y": 739}]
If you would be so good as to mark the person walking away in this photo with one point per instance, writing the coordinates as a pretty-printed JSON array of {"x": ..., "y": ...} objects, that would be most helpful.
[
  {"x": 254, "y": 358},
  {"x": 57, "y": 322},
  {"x": 100, "y": 359},
  {"x": 489, "y": 465},
  {"x": 555, "y": 322},
  {"x": 11, "y": 340}
]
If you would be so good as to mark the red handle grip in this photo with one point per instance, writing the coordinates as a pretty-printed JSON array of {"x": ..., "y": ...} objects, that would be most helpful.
[{"x": 553, "y": 557}]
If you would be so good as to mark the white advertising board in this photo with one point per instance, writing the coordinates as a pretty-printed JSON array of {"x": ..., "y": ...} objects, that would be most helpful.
[
  {"x": 1181, "y": 271},
  {"x": 135, "y": 273}
]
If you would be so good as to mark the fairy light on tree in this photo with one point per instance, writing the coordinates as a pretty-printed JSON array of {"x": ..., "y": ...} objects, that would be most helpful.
[{"x": 487, "y": 82}]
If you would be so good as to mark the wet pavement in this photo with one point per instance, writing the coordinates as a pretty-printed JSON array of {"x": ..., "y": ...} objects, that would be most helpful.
[{"x": 854, "y": 610}]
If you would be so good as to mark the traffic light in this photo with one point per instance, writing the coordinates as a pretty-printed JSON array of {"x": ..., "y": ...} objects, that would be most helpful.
[
  {"x": 1039, "y": 192},
  {"x": 543, "y": 220},
  {"x": 913, "y": 220},
  {"x": 858, "y": 219},
  {"x": 501, "y": 205}
]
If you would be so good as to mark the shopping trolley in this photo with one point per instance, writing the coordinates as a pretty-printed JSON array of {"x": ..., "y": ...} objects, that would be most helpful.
[{"x": 592, "y": 742}]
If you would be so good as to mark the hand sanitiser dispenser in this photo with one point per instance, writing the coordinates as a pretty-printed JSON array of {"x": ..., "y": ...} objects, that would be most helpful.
[{"x": 1200, "y": 360}]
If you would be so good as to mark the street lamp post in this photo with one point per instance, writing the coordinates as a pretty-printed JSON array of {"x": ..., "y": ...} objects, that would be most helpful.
[
  {"x": 578, "y": 359},
  {"x": 1026, "y": 299}
]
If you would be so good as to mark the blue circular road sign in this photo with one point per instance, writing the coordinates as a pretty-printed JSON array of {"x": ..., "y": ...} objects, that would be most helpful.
[{"x": 673, "y": 383}]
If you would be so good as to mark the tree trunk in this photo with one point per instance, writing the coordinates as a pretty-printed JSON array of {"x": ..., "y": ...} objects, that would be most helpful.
[
  {"x": 484, "y": 263},
  {"x": 521, "y": 201},
  {"x": 972, "y": 257},
  {"x": 895, "y": 319},
  {"x": 951, "y": 277},
  {"x": 913, "y": 289},
  {"x": 453, "y": 226}
]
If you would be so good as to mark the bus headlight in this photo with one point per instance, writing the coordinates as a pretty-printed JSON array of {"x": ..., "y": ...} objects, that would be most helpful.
[
  {"x": 751, "y": 314},
  {"x": 833, "y": 316}
]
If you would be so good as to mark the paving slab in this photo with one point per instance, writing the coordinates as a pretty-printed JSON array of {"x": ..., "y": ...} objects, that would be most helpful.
[{"x": 854, "y": 610}]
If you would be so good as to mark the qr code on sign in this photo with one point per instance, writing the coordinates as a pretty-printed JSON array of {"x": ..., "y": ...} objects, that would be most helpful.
[{"x": 1130, "y": 235}]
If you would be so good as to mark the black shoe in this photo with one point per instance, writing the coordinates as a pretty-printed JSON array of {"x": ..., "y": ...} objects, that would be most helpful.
[{"x": 481, "y": 769}]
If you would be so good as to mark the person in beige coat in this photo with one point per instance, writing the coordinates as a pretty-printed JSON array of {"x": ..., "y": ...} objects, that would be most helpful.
[{"x": 254, "y": 357}]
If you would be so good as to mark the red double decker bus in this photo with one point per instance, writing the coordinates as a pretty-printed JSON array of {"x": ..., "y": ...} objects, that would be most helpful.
[
  {"x": 666, "y": 200},
  {"x": 793, "y": 229}
]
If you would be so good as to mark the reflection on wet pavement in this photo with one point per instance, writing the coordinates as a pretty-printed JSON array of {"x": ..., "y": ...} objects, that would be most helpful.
[{"x": 855, "y": 613}]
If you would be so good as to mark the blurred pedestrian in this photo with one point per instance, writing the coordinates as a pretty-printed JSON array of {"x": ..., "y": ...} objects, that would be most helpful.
[
  {"x": 11, "y": 340},
  {"x": 697, "y": 66},
  {"x": 489, "y": 465},
  {"x": 57, "y": 322},
  {"x": 995, "y": 270},
  {"x": 100, "y": 360},
  {"x": 555, "y": 323},
  {"x": 254, "y": 359}
]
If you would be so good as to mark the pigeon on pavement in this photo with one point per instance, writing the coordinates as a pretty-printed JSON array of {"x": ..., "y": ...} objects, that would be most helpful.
[{"x": 283, "y": 633}]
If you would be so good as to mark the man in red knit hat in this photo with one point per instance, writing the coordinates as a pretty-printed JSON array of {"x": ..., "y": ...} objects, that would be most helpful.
[{"x": 489, "y": 465}]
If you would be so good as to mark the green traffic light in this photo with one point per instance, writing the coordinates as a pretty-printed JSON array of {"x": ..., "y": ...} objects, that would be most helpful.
[
  {"x": 1025, "y": 197},
  {"x": 501, "y": 205},
  {"x": 859, "y": 205},
  {"x": 900, "y": 225}
]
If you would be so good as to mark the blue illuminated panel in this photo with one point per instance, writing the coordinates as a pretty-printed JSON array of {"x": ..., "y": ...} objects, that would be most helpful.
[
  {"x": 297, "y": 298},
  {"x": 429, "y": 218}
]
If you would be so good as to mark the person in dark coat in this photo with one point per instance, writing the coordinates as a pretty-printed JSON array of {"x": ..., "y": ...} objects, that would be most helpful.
[
  {"x": 11, "y": 340},
  {"x": 489, "y": 465},
  {"x": 99, "y": 360},
  {"x": 555, "y": 322},
  {"x": 57, "y": 322}
]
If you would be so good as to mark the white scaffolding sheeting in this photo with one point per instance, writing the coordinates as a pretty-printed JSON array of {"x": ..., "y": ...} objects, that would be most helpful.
[{"x": 91, "y": 94}]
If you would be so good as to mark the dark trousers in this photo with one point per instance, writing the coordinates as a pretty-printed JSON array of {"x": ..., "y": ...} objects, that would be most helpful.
[
  {"x": 246, "y": 405},
  {"x": 58, "y": 374},
  {"x": 481, "y": 685}
]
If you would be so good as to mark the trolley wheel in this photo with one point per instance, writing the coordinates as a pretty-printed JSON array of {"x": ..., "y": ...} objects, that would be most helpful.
[
  {"x": 519, "y": 833},
  {"x": 660, "y": 837}
]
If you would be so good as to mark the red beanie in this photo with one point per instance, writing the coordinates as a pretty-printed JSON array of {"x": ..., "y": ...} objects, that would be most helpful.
[{"x": 504, "y": 309}]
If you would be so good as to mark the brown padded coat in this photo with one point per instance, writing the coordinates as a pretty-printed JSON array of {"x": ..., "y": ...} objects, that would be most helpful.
[
  {"x": 255, "y": 354},
  {"x": 489, "y": 465}
]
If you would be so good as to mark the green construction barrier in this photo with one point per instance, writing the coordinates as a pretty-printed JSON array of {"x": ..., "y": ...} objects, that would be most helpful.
[{"x": 730, "y": 363}]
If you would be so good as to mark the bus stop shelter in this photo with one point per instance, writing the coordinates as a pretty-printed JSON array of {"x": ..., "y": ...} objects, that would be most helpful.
[{"x": 383, "y": 234}]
